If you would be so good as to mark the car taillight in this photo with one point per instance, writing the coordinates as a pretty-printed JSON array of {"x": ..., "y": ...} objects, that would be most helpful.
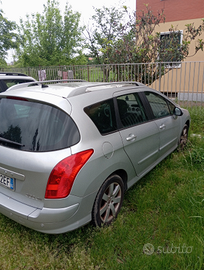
[{"x": 64, "y": 173}]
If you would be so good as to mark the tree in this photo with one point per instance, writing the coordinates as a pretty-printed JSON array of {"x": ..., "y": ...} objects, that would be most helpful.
[
  {"x": 107, "y": 24},
  {"x": 8, "y": 37},
  {"x": 136, "y": 41},
  {"x": 3, "y": 63},
  {"x": 50, "y": 39}
]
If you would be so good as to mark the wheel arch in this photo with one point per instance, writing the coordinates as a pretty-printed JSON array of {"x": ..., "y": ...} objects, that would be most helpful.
[
  {"x": 188, "y": 123},
  {"x": 109, "y": 199},
  {"x": 123, "y": 175}
]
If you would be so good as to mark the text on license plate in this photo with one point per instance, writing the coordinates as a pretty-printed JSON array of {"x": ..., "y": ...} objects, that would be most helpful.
[{"x": 7, "y": 181}]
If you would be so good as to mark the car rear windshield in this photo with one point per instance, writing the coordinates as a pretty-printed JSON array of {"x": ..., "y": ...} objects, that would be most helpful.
[{"x": 36, "y": 127}]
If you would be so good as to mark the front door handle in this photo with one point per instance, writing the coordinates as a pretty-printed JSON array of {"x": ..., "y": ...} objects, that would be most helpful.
[
  {"x": 162, "y": 126},
  {"x": 131, "y": 137}
]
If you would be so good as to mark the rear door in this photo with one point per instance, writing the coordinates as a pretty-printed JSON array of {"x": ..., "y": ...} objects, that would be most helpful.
[{"x": 139, "y": 135}]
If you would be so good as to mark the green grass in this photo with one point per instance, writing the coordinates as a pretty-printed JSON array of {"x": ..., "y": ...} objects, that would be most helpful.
[{"x": 165, "y": 209}]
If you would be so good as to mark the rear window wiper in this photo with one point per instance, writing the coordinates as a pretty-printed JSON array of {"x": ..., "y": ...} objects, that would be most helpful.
[{"x": 10, "y": 142}]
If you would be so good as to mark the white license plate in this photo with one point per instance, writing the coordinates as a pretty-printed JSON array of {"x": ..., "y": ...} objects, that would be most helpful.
[{"x": 7, "y": 182}]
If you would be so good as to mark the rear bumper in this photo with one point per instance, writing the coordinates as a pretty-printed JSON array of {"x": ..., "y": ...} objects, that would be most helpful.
[{"x": 47, "y": 220}]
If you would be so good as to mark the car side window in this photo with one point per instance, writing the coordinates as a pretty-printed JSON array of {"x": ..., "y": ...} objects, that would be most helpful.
[
  {"x": 171, "y": 107},
  {"x": 158, "y": 104},
  {"x": 13, "y": 82},
  {"x": 1, "y": 88},
  {"x": 103, "y": 116},
  {"x": 130, "y": 109}
]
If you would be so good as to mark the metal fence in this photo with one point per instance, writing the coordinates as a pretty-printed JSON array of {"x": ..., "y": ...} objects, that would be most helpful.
[{"x": 183, "y": 81}]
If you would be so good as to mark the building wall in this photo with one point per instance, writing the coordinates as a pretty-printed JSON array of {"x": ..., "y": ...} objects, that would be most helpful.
[
  {"x": 178, "y": 13},
  {"x": 180, "y": 25},
  {"x": 175, "y": 10},
  {"x": 189, "y": 77}
]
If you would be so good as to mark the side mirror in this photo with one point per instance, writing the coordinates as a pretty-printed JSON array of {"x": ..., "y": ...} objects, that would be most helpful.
[{"x": 177, "y": 111}]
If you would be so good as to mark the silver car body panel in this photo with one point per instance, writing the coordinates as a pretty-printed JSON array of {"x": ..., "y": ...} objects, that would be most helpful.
[{"x": 112, "y": 152}]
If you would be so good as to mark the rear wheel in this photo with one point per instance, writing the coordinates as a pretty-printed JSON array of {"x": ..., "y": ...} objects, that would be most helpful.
[
  {"x": 183, "y": 138},
  {"x": 108, "y": 201}
]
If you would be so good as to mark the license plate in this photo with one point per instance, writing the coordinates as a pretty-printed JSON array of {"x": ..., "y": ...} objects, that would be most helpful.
[{"x": 7, "y": 182}]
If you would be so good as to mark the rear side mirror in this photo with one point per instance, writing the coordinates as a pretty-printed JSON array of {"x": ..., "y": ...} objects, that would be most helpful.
[{"x": 177, "y": 111}]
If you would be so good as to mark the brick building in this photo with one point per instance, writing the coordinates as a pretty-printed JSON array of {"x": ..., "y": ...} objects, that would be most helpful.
[
  {"x": 179, "y": 13},
  {"x": 175, "y": 10}
]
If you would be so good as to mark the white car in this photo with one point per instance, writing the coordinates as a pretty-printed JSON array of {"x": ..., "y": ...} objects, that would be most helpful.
[{"x": 8, "y": 79}]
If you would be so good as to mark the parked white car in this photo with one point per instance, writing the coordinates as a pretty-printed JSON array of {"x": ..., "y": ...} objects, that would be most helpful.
[{"x": 8, "y": 79}]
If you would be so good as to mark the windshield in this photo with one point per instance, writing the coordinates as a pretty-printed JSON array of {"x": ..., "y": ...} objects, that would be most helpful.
[{"x": 33, "y": 126}]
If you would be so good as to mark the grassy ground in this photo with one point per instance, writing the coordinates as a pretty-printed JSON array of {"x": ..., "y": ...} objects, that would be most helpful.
[{"x": 160, "y": 225}]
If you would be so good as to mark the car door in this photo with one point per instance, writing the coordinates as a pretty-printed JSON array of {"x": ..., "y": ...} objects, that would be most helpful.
[
  {"x": 139, "y": 135},
  {"x": 167, "y": 123}
]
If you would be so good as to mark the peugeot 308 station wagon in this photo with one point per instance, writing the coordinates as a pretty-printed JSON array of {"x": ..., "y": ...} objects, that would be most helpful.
[{"x": 69, "y": 151}]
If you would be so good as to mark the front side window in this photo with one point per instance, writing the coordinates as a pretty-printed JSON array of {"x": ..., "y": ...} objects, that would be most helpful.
[
  {"x": 130, "y": 110},
  {"x": 36, "y": 127},
  {"x": 103, "y": 116},
  {"x": 159, "y": 105}
]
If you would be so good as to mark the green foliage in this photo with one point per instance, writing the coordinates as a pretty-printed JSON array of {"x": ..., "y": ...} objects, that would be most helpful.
[
  {"x": 8, "y": 37},
  {"x": 3, "y": 63},
  {"x": 122, "y": 37},
  {"x": 197, "y": 119},
  {"x": 50, "y": 39},
  {"x": 81, "y": 59},
  {"x": 107, "y": 24},
  {"x": 125, "y": 38}
]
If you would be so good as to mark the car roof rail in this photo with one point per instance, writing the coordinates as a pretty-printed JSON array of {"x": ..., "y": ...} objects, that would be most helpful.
[
  {"x": 100, "y": 86},
  {"x": 42, "y": 83},
  {"x": 80, "y": 89}
]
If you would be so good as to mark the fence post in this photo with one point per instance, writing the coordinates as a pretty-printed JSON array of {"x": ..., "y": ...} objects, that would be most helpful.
[
  {"x": 88, "y": 72},
  {"x": 74, "y": 72},
  {"x": 160, "y": 77}
]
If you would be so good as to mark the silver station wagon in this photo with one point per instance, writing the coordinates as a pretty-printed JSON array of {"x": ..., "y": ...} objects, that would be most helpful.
[{"x": 69, "y": 151}]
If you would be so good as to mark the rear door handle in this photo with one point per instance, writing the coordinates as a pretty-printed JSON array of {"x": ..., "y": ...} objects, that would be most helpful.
[
  {"x": 131, "y": 137},
  {"x": 162, "y": 126}
]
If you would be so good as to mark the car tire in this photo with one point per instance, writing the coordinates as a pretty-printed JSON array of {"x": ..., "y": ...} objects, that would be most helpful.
[
  {"x": 184, "y": 138},
  {"x": 108, "y": 201}
]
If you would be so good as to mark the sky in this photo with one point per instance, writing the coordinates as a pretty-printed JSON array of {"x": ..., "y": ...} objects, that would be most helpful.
[{"x": 14, "y": 10}]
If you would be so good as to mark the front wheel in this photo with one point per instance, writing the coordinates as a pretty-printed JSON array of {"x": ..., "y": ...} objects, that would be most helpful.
[
  {"x": 108, "y": 201},
  {"x": 183, "y": 138}
]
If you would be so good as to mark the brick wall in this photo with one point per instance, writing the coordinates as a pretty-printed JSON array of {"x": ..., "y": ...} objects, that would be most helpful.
[{"x": 175, "y": 10}]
